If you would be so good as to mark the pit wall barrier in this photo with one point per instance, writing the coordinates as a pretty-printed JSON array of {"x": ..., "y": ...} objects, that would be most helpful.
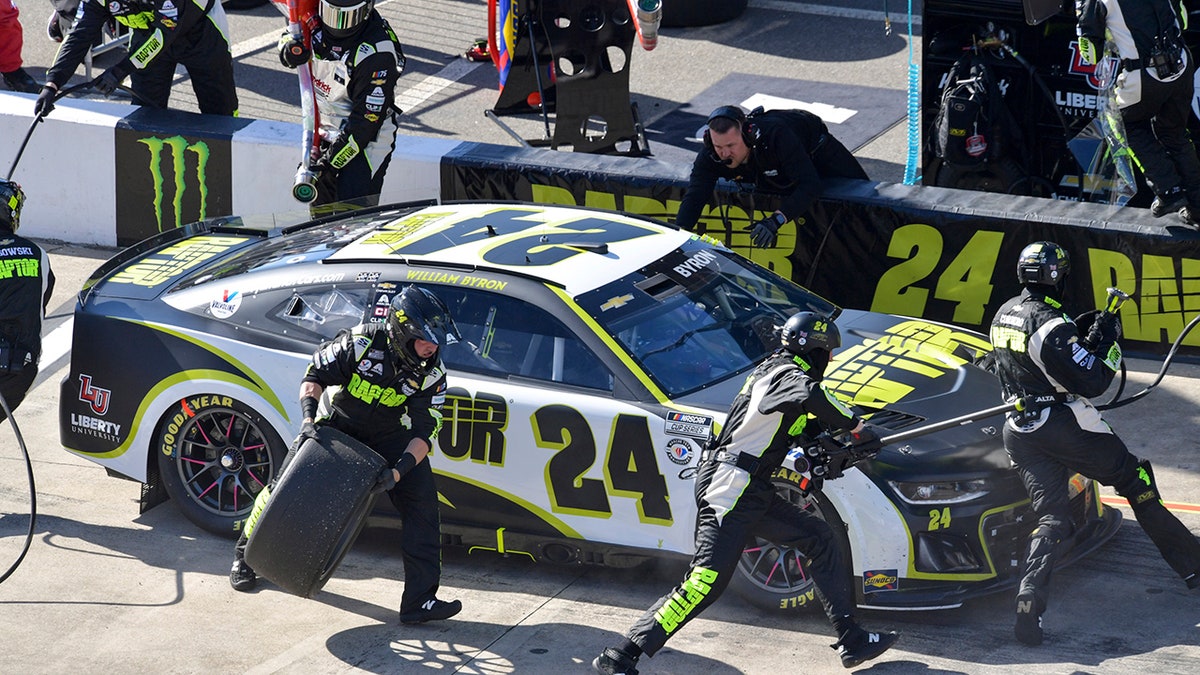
[{"x": 103, "y": 173}]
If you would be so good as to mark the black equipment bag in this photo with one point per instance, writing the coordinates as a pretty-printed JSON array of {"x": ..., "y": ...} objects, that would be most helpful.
[{"x": 973, "y": 125}]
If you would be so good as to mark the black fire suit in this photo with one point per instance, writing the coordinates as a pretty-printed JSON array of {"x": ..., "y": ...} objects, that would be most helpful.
[
  {"x": 791, "y": 152},
  {"x": 355, "y": 80},
  {"x": 386, "y": 407},
  {"x": 164, "y": 33},
  {"x": 1038, "y": 352},
  {"x": 736, "y": 500},
  {"x": 1155, "y": 108},
  {"x": 26, "y": 283}
]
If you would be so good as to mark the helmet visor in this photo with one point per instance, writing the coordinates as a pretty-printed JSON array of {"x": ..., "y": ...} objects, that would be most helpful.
[{"x": 342, "y": 19}]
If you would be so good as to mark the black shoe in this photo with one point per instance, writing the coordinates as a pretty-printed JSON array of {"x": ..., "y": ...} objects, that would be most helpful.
[
  {"x": 613, "y": 661},
  {"x": 1171, "y": 202},
  {"x": 1190, "y": 216},
  {"x": 1028, "y": 628},
  {"x": 54, "y": 28},
  {"x": 432, "y": 610},
  {"x": 1193, "y": 580},
  {"x": 858, "y": 646},
  {"x": 19, "y": 80},
  {"x": 242, "y": 576}
]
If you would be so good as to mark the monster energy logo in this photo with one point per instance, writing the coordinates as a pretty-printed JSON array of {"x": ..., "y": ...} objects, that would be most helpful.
[{"x": 178, "y": 148}]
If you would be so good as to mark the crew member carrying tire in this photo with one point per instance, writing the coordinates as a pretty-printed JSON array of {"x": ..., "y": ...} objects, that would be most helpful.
[
  {"x": 392, "y": 384},
  {"x": 1054, "y": 364},
  {"x": 736, "y": 499}
]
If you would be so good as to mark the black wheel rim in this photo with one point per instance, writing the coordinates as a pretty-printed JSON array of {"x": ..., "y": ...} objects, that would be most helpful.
[
  {"x": 223, "y": 460},
  {"x": 774, "y": 568}
]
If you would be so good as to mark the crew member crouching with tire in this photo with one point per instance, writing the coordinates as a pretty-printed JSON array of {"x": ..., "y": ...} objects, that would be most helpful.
[
  {"x": 400, "y": 358},
  {"x": 735, "y": 498}
]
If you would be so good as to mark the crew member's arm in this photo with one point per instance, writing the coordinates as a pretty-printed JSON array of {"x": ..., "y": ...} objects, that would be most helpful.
[
  {"x": 1091, "y": 15},
  {"x": 425, "y": 411},
  {"x": 699, "y": 191},
  {"x": 372, "y": 90},
  {"x": 79, "y": 40},
  {"x": 153, "y": 32},
  {"x": 1067, "y": 363}
]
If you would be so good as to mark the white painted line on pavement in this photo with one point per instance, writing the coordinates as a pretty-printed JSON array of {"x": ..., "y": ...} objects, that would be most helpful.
[{"x": 58, "y": 343}]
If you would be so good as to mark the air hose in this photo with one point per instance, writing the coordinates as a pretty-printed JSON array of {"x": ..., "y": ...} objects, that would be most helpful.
[
  {"x": 32, "y": 491},
  {"x": 1117, "y": 401},
  {"x": 914, "y": 109}
]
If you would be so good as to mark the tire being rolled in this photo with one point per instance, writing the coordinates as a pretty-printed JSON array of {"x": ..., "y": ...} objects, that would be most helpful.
[{"x": 313, "y": 513}]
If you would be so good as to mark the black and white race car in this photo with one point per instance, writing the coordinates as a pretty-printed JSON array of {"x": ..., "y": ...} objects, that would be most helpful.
[{"x": 600, "y": 353}]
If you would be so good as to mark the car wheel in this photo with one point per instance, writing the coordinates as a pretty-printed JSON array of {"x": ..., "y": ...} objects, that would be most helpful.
[
  {"x": 215, "y": 459},
  {"x": 314, "y": 512},
  {"x": 773, "y": 577},
  {"x": 684, "y": 13}
]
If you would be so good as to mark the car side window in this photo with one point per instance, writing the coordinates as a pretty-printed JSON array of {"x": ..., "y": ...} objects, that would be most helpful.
[
  {"x": 325, "y": 310},
  {"x": 506, "y": 336}
]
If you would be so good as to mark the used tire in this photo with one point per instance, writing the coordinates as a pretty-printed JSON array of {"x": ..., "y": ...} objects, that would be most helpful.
[
  {"x": 772, "y": 577},
  {"x": 684, "y": 13},
  {"x": 215, "y": 454},
  {"x": 314, "y": 512}
]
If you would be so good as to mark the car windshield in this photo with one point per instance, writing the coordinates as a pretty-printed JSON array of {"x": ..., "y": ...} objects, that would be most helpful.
[{"x": 699, "y": 315}]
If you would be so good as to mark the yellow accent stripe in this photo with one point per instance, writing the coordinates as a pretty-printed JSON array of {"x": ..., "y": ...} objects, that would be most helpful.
[{"x": 548, "y": 518}]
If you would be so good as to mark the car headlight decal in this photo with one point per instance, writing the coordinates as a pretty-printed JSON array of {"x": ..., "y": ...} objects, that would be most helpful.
[{"x": 940, "y": 491}]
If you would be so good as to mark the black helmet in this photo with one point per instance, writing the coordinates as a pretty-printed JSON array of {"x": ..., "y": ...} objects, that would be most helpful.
[
  {"x": 418, "y": 314},
  {"x": 12, "y": 198},
  {"x": 343, "y": 18},
  {"x": 809, "y": 331},
  {"x": 1044, "y": 263}
]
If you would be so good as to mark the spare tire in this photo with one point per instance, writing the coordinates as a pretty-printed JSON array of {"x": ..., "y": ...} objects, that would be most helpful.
[
  {"x": 302, "y": 528},
  {"x": 684, "y": 13}
]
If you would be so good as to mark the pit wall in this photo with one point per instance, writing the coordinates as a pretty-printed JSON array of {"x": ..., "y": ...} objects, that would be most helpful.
[{"x": 108, "y": 174}]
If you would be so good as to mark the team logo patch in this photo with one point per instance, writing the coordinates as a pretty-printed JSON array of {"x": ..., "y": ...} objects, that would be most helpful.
[
  {"x": 875, "y": 581},
  {"x": 679, "y": 451}
]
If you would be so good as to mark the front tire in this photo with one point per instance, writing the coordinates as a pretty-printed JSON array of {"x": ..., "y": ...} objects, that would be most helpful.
[
  {"x": 215, "y": 458},
  {"x": 775, "y": 578}
]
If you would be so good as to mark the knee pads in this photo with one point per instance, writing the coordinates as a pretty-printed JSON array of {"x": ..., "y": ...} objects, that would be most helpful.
[{"x": 1139, "y": 487}]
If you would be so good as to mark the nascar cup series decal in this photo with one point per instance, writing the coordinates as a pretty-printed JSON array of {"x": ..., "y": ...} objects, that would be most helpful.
[{"x": 689, "y": 424}]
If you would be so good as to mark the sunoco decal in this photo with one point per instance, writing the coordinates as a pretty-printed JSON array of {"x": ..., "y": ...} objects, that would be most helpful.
[
  {"x": 875, "y": 581},
  {"x": 689, "y": 424}
]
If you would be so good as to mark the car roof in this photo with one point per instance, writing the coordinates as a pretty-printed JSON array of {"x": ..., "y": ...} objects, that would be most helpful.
[{"x": 575, "y": 248}]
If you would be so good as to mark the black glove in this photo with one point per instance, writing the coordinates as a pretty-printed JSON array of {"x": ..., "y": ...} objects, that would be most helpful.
[
  {"x": 308, "y": 430},
  {"x": 45, "y": 101},
  {"x": 866, "y": 440},
  {"x": 386, "y": 480},
  {"x": 1105, "y": 330},
  {"x": 292, "y": 52},
  {"x": 108, "y": 81},
  {"x": 764, "y": 231}
]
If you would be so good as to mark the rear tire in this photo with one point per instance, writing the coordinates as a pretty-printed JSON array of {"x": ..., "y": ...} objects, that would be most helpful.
[
  {"x": 775, "y": 578},
  {"x": 214, "y": 460},
  {"x": 315, "y": 511}
]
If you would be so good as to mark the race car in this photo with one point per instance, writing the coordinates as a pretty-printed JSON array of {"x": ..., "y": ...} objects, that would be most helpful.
[{"x": 599, "y": 353}]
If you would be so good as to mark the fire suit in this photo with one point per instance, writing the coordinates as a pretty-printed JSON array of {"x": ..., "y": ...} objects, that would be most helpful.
[
  {"x": 385, "y": 407},
  {"x": 1155, "y": 102},
  {"x": 355, "y": 80},
  {"x": 791, "y": 152},
  {"x": 26, "y": 282},
  {"x": 164, "y": 33},
  {"x": 736, "y": 500},
  {"x": 1038, "y": 352}
]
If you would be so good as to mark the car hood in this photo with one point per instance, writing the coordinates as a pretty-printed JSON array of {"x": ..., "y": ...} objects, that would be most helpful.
[{"x": 904, "y": 374}]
